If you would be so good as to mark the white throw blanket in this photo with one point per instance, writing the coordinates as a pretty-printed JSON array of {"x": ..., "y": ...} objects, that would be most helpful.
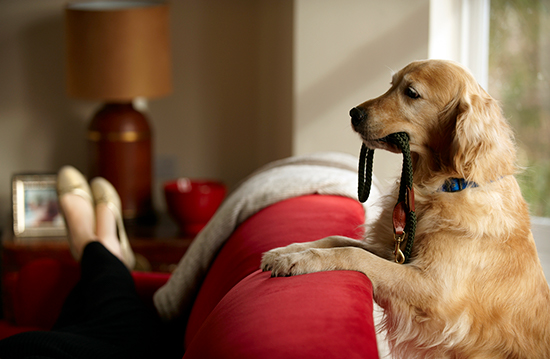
[{"x": 321, "y": 173}]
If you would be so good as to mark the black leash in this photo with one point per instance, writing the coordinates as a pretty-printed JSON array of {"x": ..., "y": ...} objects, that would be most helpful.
[{"x": 404, "y": 216}]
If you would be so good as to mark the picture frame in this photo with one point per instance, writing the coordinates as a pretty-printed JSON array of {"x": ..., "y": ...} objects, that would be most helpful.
[{"x": 36, "y": 211}]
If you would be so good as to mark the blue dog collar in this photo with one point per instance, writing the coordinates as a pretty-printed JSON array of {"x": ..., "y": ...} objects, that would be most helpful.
[{"x": 457, "y": 185}]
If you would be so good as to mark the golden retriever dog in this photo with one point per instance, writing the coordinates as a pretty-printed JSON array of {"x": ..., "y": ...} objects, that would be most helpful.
[{"x": 474, "y": 286}]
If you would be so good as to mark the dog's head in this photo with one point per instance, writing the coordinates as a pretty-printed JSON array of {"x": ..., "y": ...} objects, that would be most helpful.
[{"x": 456, "y": 129}]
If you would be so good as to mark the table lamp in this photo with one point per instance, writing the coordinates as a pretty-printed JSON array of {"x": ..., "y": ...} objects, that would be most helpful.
[{"x": 116, "y": 52}]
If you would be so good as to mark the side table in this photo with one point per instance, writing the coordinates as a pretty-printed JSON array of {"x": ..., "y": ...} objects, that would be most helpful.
[{"x": 158, "y": 247}]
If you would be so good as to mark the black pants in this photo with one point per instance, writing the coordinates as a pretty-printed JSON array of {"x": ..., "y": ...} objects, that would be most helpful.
[{"x": 103, "y": 317}]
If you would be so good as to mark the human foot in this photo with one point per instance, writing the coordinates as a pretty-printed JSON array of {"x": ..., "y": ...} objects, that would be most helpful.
[
  {"x": 75, "y": 199},
  {"x": 110, "y": 228}
]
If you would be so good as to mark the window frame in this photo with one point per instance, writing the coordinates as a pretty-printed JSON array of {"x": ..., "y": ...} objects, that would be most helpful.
[{"x": 459, "y": 31}]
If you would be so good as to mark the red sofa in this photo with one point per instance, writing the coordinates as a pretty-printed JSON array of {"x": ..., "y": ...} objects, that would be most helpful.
[{"x": 241, "y": 312}]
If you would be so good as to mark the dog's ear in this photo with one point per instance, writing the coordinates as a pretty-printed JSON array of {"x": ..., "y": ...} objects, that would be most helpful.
[{"x": 482, "y": 147}]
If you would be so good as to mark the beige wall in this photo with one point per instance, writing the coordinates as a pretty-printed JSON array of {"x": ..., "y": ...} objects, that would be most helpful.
[
  {"x": 231, "y": 107},
  {"x": 255, "y": 80},
  {"x": 345, "y": 52},
  {"x": 40, "y": 128}
]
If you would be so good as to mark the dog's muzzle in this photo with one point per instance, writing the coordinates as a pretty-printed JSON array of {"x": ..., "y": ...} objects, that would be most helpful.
[{"x": 358, "y": 116}]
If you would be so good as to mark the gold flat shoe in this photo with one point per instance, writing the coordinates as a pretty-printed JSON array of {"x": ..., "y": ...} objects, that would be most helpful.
[
  {"x": 71, "y": 181},
  {"x": 104, "y": 192}
]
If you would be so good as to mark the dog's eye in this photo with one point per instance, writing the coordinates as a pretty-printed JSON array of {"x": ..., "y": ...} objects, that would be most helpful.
[{"x": 411, "y": 92}]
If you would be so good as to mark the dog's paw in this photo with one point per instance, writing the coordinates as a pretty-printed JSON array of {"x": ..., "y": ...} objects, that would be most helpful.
[
  {"x": 270, "y": 257},
  {"x": 295, "y": 263}
]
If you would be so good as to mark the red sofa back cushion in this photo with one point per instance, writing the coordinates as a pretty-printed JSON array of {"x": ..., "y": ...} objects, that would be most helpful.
[
  {"x": 284, "y": 317},
  {"x": 319, "y": 315}
]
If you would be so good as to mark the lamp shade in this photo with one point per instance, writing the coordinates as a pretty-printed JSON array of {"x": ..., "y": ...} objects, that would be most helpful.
[{"x": 118, "y": 50}]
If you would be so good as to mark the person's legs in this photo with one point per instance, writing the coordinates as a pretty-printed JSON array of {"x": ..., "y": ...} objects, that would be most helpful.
[
  {"x": 104, "y": 305},
  {"x": 103, "y": 316},
  {"x": 106, "y": 230},
  {"x": 110, "y": 227}
]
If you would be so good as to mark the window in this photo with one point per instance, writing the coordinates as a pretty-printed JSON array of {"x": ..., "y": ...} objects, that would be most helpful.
[
  {"x": 519, "y": 77},
  {"x": 506, "y": 45}
]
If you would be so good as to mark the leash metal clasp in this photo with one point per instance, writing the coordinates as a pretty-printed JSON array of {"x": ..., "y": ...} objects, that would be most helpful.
[
  {"x": 399, "y": 256},
  {"x": 399, "y": 218}
]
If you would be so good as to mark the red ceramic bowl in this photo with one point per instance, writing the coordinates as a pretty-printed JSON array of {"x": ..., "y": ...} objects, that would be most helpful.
[{"x": 192, "y": 203}]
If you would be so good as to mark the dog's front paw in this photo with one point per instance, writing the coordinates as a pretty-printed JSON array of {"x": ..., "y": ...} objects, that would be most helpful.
[
  {"x": 296, "y": 263},
  {"x": 270, "y": 257}
]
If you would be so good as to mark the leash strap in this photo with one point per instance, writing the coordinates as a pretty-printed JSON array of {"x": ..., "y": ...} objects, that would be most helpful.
[{"x": 404, "y": 216}]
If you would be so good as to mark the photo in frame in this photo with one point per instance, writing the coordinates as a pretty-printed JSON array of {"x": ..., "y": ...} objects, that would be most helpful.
[{"x": 36, "y": 211}]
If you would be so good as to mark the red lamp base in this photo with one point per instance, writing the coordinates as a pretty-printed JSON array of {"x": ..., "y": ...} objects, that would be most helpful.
[{"x": 119, "y": 140}]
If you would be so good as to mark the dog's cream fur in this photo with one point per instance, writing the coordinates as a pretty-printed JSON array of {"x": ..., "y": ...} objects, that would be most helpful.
[{"x": 474, "y": 287}]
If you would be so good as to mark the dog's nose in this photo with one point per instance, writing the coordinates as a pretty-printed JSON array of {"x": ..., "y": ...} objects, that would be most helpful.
[{"x": 358, "y": 115}]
